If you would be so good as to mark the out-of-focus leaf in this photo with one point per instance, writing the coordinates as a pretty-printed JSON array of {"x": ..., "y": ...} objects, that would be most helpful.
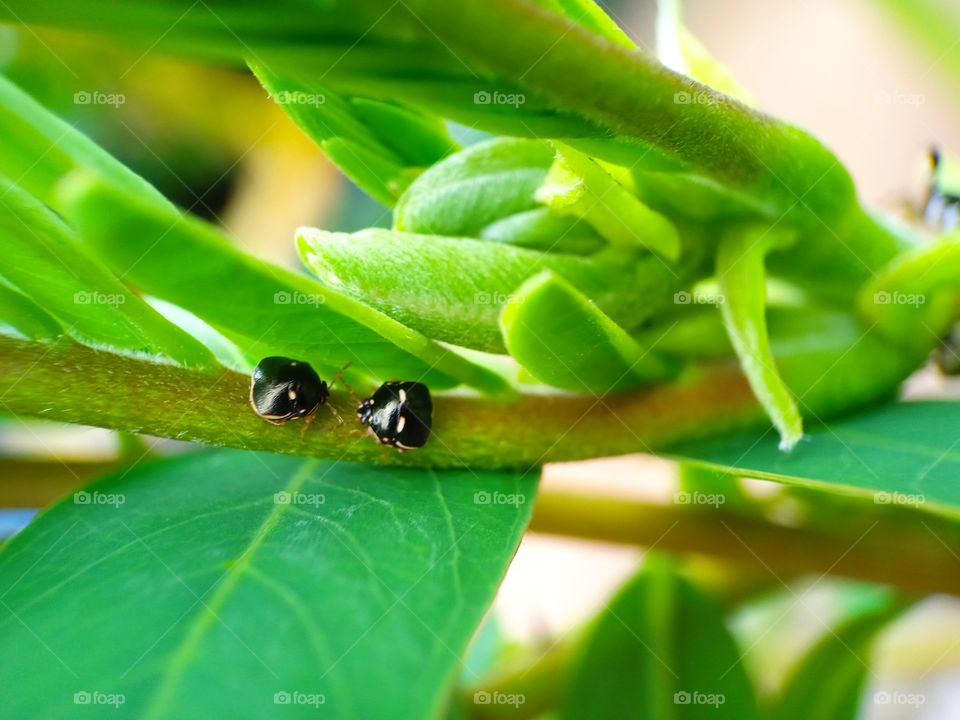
[
  {"x": 564, "y": 340},
  {"x": 42, "y": 259},
  {"x": 679, "y": 50},
  {"x": 741, "y": 276},
  {"x": 591, "y": 16},
  {"x": 21, "y": 317},
  {"x": 379, "y": 145},
  {"x": 902, "y": 453},
  {"x": 660, "y": 650},
  {"x": 475, "y": 187},
  {"x": 182, "y": 259},
  {"x": 302, "y": 576},
  {"x": 828, "y": 682},
  {"x": 38, "y": 149},
  {"x": 453, "y": 289},
  {"x": 578, "y": 186}
]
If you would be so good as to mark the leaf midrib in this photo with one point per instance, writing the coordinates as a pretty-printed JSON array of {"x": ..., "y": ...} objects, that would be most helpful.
[{"x": 202, "y": 621}]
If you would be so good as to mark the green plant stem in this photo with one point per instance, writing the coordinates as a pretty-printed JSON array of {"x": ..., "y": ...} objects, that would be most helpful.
[
  {"x": 72, "y": 383},
  {"x": 909, "y": 550}
]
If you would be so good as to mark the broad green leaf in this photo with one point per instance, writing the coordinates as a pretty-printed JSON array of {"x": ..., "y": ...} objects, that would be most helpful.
[
  {"x": 21, "y": 317},
  {"x": 379, "y": 145},
  {"x": 564, "y": 340},
  {"x": 828, "y": 682},
  {"x": 578, "y": 186},
  {"x": 475, "y": 187},
  {"x": 541, "y": 229},
  {"x": 741, "y": 275},
  {"x": 44, "y": 261},
  {"x": 453, "y": 289},
  {"x": 313, "y": 582},
  {"x": 901, "y": 453},
  {"x": 660, "y": 651},
  {"x": 180, "y": 259}
]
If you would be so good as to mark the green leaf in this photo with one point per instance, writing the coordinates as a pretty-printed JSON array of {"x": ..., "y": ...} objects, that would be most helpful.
[
  {"x": 39, "y": 149},
  {"x": 325, "y": 579},
  {"x": 541, "y": 229},
  {"x": 679, "y": 50},
  {"x": 21, "y": 317},
  {"x": 901, "y": 453},
  {"x": 379, "y": 145},
  {"x": 453, "y": 289},
  {"x": 591, "y": 16},
  {"x": 564, "y": 340},
  {"x": 660, "y": 651},
  {"x": 265, "y": 308},
  {"x": 741, "y": 275},
  {"x": 44, "y": 261},
  {"x": 828, "y": 682},
  {"x": 578, "y": 186},
  {"x": 475, "y": 187}
]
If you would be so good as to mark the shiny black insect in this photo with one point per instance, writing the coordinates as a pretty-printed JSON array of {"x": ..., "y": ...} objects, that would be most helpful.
[
  {"x": 283, "y": 389},
  {"x": 399, "y": 413}
]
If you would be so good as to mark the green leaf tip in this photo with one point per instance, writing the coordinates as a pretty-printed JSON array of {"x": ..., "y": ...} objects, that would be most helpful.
[
  {"x": 577, "y": 185},
  {"x": 741, "y": 277}
]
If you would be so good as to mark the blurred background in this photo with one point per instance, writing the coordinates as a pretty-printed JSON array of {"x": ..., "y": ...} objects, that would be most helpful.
[{"x": 878, "y": 82}]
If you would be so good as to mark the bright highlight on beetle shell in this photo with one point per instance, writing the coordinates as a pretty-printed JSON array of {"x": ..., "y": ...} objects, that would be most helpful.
[
  {"x": 284, "y": 389},
  {"x": 399, "y": 414}
]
